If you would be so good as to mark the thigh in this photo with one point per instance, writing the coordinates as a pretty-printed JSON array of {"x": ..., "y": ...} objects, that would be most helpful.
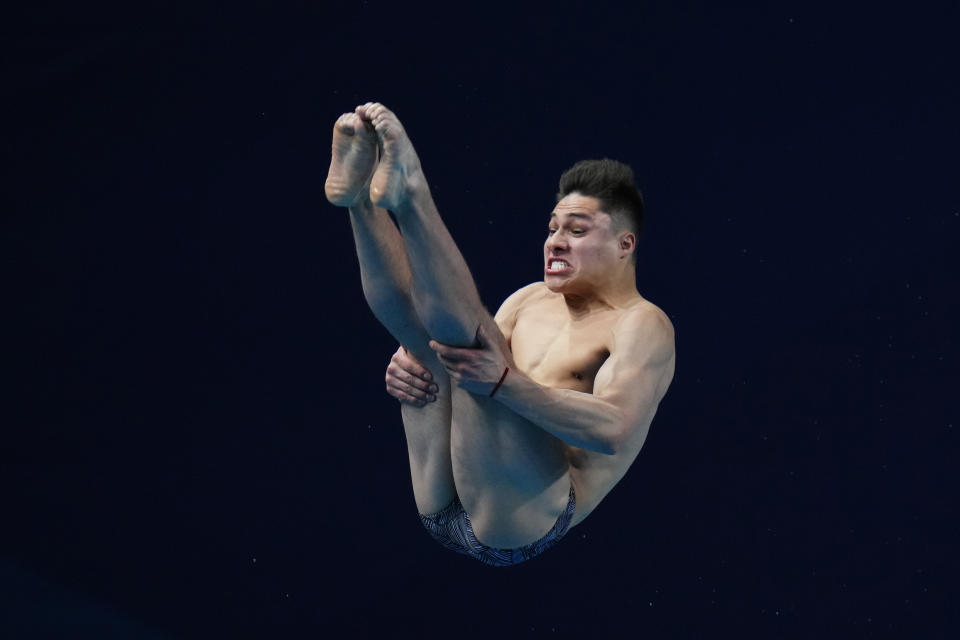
[
  {"x": 427, "y": 428},
  {"x": 512, "y": 477},
  {"x": 427, "y": 432}
]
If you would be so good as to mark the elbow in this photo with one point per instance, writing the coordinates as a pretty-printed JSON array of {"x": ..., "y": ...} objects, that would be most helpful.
[
  {"x": 614, "y": 440},
  {"x": 611, "y": 447},
  {"x": 598, "y": 443},
  {"x": 607, "y": 449}
]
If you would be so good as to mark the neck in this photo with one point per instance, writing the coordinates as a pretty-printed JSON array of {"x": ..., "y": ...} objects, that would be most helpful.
[{"x": 615, "y": 293}]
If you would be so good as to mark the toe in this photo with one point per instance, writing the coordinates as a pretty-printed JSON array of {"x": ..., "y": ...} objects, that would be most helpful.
[
  {"x": 386, "y": 118},
  {"x": 383, "y": 129},
  {"x": 345, "y": 124}
]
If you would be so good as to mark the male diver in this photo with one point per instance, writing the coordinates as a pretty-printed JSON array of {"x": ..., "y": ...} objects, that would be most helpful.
[{"x": 532, "y": 416}]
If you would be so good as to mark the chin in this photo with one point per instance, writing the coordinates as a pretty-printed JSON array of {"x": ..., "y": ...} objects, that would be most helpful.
[{"x": 556, "y": 287}]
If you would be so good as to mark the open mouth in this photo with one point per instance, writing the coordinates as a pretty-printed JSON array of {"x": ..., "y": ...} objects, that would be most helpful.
[{"x": 557, "y": 265}]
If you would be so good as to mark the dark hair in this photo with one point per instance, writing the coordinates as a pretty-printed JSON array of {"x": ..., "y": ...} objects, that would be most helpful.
[{"x": 611, "y": 183}]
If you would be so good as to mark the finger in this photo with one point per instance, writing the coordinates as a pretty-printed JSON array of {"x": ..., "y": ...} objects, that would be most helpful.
[
  {"x": 402, "y": 392},
  {"x": 411, "y": 385},
  {"x": 405, "y": 399},
  {"x": 399, "y": 388},
  {"x": 452, "y": 367},
  {"x": 396, "y": 393},
  {"x": 410, "y": 364},
  {"x": 397, "y": 373},
  {"x": 448, "y": 352},
  {"x": 481, "y": 337},
  {"x": 410, "y": 395},
  {"x": 418, "y": 383}
]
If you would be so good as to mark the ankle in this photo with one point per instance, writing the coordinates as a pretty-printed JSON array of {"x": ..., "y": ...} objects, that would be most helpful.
[
  {"x": 416, "y": 196},
  {"x": 363, "y": 206}
]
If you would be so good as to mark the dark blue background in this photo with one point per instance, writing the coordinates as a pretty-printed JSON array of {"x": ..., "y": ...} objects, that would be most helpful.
[{"x": 196, "y": 438}]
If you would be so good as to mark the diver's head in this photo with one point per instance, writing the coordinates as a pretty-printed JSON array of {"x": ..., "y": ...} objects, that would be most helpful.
[{"x": 593, "y": 230}]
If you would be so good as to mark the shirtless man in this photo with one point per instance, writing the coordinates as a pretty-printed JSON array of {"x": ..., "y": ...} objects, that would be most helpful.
[{"x": 535, "y": 414}]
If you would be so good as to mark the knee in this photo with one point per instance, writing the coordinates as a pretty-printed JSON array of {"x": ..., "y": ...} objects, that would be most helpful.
[{"x": 454, "y": 329}]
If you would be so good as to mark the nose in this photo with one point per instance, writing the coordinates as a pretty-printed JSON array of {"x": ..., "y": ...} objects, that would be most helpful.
[{"x": 556, "y": 241}]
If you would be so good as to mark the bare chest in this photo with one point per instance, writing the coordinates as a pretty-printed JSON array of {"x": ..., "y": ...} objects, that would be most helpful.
[
  {"x": 559, "y": 352},
  {"x": 562, "y": 353}
]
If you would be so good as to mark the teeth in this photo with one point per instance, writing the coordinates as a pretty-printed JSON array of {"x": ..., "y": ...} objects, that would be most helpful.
[{"x": 558, "y": 264}]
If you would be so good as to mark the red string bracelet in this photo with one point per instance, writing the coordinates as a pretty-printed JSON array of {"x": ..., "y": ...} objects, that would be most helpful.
[{"x": 505, "y": 371}]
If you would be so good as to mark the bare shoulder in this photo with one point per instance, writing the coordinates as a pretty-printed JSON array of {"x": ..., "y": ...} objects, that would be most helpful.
[
  {"x": 533, "y": 290},
  {"x": 644, "y": 313},
  {"x": 646, "y": 321},
  {"x": 506, "y": 317},
  {"x": 521, "y": 297}
]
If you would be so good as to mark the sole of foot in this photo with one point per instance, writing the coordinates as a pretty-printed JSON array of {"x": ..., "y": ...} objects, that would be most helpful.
[
  {"x": 353, "y": 161},
  {"x": 398, "y": 171}
]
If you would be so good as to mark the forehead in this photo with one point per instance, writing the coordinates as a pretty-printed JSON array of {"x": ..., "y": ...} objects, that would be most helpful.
[{"x": 576, "y": 206}]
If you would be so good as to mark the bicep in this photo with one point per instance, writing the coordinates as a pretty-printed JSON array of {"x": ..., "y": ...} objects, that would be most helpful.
[{"x": 639, "y": 366}]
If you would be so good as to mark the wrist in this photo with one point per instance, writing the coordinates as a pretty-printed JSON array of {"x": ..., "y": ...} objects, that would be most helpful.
[{"x": 497, "y": 386}]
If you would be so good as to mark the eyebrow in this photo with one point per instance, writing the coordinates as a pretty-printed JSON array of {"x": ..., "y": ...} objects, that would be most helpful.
[{"x": 585, "y": 216}]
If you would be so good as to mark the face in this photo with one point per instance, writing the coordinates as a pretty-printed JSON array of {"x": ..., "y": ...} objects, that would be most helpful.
[{"x": 582, "y": 248}]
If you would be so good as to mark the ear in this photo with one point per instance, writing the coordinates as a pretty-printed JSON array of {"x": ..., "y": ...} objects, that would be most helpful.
[{"x": 628, "y": 241}]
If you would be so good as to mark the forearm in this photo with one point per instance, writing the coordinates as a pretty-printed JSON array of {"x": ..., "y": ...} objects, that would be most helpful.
[{"x": 579, "y": 419}]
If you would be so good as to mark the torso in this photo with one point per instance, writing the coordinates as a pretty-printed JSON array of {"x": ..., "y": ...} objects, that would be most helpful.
[{"x": 559, "y": 351}]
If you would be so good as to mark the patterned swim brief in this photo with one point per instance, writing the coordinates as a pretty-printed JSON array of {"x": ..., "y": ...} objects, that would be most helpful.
[{"x": 451, "y": 528}]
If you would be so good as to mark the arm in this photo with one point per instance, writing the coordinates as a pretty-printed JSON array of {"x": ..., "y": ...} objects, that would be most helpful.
[
  {"x": 626, "y": 391},
  {"x": 411, "y": 383}
]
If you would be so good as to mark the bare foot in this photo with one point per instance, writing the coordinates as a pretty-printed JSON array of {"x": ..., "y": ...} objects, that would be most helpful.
[
  {"x": 353, "y": 160},
  {"x": 398, "y": 174}
]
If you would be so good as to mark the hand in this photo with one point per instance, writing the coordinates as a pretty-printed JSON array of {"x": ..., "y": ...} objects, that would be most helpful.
[
  {"x": 478, "y": 370},
  {"x": 409, "y": 381}
]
